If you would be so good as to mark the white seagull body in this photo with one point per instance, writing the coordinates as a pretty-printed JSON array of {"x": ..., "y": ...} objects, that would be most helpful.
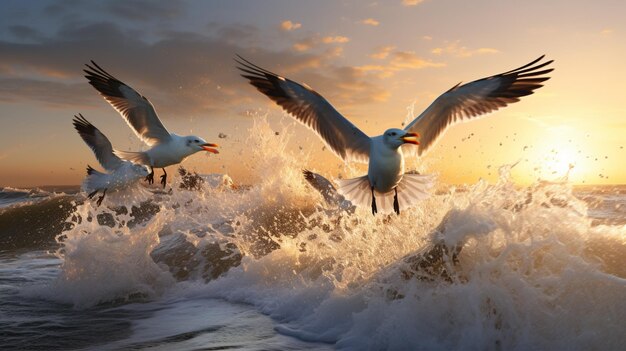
[
  {"x": 386, "y": 179},
  {"x": 166, "y": 148},
  {"x": 121, "y": 174}
]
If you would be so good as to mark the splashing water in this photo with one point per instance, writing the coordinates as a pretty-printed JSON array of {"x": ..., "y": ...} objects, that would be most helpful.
[{"x": 533, "y": 273}]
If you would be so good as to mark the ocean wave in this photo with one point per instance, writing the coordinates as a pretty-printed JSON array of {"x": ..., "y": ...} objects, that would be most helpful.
[{"x": 486, "y": 267}]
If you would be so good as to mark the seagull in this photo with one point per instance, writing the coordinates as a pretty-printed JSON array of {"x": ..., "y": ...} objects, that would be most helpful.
[
  {"x": 166, "y": 148},
  {"x": 120, "y": 173},
  {"x": 386, "y": 178}
]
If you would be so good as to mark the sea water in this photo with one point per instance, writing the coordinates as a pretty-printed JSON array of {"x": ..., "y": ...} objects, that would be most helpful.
[{"x": 272, "y": 266}]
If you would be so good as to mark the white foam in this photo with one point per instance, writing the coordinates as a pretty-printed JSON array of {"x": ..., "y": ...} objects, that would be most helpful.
[{"x": 531, "y": 274}]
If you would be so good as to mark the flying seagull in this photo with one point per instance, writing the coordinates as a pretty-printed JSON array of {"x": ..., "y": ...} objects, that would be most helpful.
[
  {"x": 166, "y": 148},
  {"x": 386, "y": 178},
  {"x": 120, "y": 173}
]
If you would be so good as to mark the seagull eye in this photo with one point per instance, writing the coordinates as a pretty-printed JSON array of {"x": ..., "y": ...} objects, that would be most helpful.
[
  {"x": 197, "y": 141},
  {"x": 393, "y": 134}
]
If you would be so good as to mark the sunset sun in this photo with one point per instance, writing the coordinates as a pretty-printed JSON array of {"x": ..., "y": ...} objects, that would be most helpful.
[{"x": 560, "y": 159}]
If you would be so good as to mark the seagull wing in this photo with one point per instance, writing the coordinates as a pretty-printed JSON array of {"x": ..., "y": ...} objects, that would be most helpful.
[
  {"x": 311, "y": 109},
  {"x": 136, "y": 109},
  {"x": 323, "y": 186},
  {"x": 98, "y": 142},
  {"x": 477, "y": 98}
]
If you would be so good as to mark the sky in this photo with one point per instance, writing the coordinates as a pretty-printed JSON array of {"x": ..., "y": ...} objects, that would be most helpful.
[{"x": 377, "y": 62}]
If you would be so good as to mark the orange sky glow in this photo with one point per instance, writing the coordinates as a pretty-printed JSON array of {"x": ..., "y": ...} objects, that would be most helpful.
[{"x": 374, "y": 61}]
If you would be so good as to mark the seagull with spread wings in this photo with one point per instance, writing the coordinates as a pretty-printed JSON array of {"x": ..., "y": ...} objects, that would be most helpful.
[
  {"x": 385, "y": 178},
  {"x": 166, "y": 148},
  {"x": 120, "y": 173}
]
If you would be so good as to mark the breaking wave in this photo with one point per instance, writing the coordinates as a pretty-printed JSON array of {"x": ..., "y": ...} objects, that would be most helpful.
[{"x": 487, "y": 267}]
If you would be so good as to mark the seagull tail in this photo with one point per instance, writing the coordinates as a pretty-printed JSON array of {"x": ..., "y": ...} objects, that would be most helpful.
[
  {"x": 95, "y": 180},
  {"x": 411, "y": 189},
  {"x": 141, "y": 158},
  {"x": 414, "y": 188},
  {"x": 356, "y": 190}
]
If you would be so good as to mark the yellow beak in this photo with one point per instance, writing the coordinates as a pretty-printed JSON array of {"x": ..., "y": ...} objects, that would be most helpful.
[
  {"x": 410, "y": 138},
  {"x": 209, "y": 147}
]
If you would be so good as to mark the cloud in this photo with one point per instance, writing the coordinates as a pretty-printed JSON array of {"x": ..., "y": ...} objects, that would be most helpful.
[
  {"x": 25, "y": 33},
  {"x": 399, "y": 61},
  {"x": 289, "y": 25},
  {"x": 336, "y": 39},
  {"x": 370, "y": 22},
  {"x": 52, "y": 94},
  {"x": 133, "y": 10},
  {"x": 305, "y": 44},
  {"x": 313, "y": 42},
  {"x": 408, "y": 59},
  {"x": 606, "y": 31},
  {"x": 411, "y": 2},
  {"x": 455, "y": 49},
  {"x": 334, "y": 51},
  {"x": 382, "y": 52},
  {"x": 145, "y": 10},
  {"x": 182, "y": 73}
]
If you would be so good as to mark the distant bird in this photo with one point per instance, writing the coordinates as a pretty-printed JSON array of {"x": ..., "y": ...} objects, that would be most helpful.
[
  {"x": 120, "y": 173},
  {"x": 166, "y": 148},
  {"x": 386, "y": 178}
]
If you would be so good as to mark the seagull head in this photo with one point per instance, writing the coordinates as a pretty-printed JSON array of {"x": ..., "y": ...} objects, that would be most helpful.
[
  {"x": 397, "y": 137},
  {"x": 196, "y": 144}
]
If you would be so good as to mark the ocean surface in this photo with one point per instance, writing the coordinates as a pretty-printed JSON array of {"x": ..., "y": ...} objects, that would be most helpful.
[{"x": 273, "y": 266}]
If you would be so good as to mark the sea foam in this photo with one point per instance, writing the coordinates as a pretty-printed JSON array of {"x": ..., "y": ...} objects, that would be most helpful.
[{"x": 533, "y": 271}]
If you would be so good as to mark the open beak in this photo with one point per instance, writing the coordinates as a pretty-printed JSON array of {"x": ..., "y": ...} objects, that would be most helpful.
[
  {"x": 410, "y": 138},
  {"x": 209, "y": 147}
]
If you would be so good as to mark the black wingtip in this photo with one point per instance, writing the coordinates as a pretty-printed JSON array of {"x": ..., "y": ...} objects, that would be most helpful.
[
  {"x": 250, "y": 67},
  {"x": 308, "y": 175},
  {"x": 83, "y": 126},
  {"x": 80, "y": 119},
  {"x": 97, "y": 68},
  {"x": 240, "y": 61},
  {"x": 103, "y": 81},
  {"x": 90, "y": 170},
  {"x": 95, "y": 71},
  {"x": 529, "y": 67},
  {"x": 238, "y": 57}
]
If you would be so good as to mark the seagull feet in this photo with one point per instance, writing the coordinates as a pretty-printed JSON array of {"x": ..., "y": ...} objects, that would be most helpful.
[
  {"x": 99, "y": 202},
  {"x": 150, "y": 177},
  {"x": 163, "y": 178},
  {"x": 92, "y": 194},
  {"x": 374, "y": 208},
  {"x": 396, "y": 205}
]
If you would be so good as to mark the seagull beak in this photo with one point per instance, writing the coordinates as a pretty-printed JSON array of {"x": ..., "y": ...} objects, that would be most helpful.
[
  {"x": 209, "y": 147},
  {"x": 410, "y": 138}
]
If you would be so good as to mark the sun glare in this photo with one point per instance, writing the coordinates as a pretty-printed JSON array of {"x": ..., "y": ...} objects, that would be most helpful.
[
  {"x": 560, "y": 157},
  {"x": 560, "y": 160}
]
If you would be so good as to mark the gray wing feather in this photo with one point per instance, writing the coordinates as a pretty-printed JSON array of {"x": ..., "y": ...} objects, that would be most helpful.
[
  {"x": 312, "y": 110},
  {"x": 135, "y": 108},
  {"x": 477, "y": 98},
  {"x": 98, "y": 142}
]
